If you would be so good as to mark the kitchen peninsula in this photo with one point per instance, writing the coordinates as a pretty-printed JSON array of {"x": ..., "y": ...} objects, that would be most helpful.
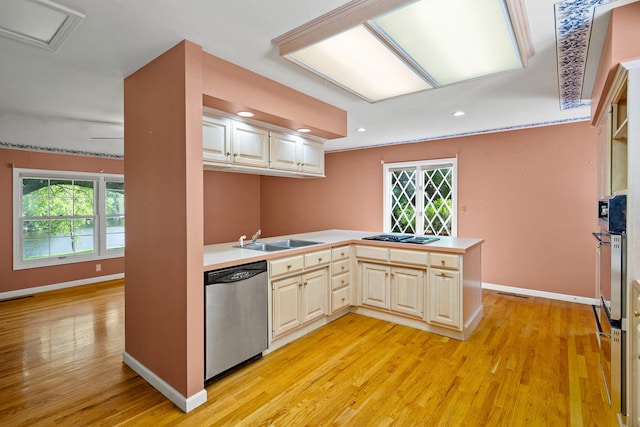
[{"x": 434, "y": 287}]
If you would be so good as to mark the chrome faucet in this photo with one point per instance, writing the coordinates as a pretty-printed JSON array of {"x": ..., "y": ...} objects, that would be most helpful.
[{"x": 255, "y": 236}]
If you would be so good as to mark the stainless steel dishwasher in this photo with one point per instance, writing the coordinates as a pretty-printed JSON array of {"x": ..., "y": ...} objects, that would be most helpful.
[{"x": 236, "y": 325}]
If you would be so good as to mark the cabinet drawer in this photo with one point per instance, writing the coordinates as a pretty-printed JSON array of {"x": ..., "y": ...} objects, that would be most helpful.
[
  {"x": 409, "y": 257},
  {"x": 340, "y": 281},
  {"x": 372, "y": 252},
  {"x": 278, "y": 267},
  {"x": 339, "y": 299},
  {"x": 342, "y": 252},
  {"x": 338, "y": 267},
  {"x": 445, "y": 261},
  {"x": 317, "y": 258}
]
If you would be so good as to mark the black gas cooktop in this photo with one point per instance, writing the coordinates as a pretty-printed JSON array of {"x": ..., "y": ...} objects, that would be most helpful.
[{"x": 402, "y": 238}]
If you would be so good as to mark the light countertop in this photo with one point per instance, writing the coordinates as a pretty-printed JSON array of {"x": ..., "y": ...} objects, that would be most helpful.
[{"x": 223, "y": 255}]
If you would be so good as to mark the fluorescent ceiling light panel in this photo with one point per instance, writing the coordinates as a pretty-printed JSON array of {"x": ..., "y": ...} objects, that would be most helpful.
[
  {"x": 380, "y": 49},
  {"x": 372, "y": 70},
  {"x": 37, "y": 22},
  {"x": 454, "y": 40}
]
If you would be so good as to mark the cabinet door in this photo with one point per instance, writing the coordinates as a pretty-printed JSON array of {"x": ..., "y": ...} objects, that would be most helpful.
[
  {"x": 216, "y": 139},
  {"x": 314, "y": 294},
  {"x": 443, "y": 301},
  {"x": 407, "y": 291},
  {"x": 375, "y": 285},
  {"x": 284, "y": 152},
  {"x": 250, "y": 145},
  {"x": 286, "y": 305},
  {"x": 312, "y": 156}
]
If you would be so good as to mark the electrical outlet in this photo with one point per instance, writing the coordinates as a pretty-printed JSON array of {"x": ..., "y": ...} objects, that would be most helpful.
[{"x": 98, "y": 267}]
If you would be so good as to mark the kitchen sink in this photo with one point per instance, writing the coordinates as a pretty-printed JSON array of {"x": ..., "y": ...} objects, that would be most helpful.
[
  {"x": 278, "y": 245},
  {"x": 265, "y": 247},
  {"x": 292, "y": 243}
]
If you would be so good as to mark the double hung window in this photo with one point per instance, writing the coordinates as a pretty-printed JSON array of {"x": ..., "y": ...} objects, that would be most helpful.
[
  {"x": 63, "y": 217},
  {"x": 421, "y": 197}
]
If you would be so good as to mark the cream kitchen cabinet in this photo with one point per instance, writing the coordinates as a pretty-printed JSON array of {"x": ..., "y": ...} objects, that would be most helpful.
[
  {"x": 375, "y": 285},
  {"x": 249, "y": 145},
  {"x": 299, "y": 288},
  {"x": 444, "y": 303},
  {"x": 397, "y": 289},
  {"x": 294, "y": 153},
  {"x": 216, "y": 139},
  {"x": 340, "y": 278},
  {"x": 298, "y": 300},
  {"x": 439, "y": 292},
  {"x": 234, "y": 143}
]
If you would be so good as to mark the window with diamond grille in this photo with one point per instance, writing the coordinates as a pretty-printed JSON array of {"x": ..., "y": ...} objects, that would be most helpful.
[{"x": 420, "y": 197}]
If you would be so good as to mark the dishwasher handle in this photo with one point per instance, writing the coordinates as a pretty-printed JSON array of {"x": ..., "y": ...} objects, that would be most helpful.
[{"x": 235, "y": 274}]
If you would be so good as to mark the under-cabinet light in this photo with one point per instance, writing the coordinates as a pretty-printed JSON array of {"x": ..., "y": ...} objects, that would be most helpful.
[{"x": 245, "y": 114}]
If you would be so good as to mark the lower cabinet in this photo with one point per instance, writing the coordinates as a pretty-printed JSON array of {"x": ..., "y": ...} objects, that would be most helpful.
[
  {"x": 298, "y": 300},
  {"x": 398, "y": 289},
  {"x": 444, "y": 299}
]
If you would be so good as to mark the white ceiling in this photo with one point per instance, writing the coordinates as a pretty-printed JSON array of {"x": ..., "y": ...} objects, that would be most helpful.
[{"x": 72, "y": 98}]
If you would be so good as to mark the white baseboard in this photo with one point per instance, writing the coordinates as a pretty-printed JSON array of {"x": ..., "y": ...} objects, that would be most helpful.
[
  {"x": 540, "y": 294},
  {"x": 186, "y": 404},
  {"x": 30, "y": 291}
]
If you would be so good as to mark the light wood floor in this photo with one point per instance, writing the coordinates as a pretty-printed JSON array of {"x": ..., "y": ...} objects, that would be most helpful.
[{"x": 531, "y": 362}]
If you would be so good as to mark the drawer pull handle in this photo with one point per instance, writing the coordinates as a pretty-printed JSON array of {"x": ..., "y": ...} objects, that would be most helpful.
[{"x": 444, "y": 275}]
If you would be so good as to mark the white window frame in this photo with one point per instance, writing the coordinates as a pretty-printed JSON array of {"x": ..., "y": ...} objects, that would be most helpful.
[
  {"x": 101, "y": 251},
  {"x": 420, "y": 165}
]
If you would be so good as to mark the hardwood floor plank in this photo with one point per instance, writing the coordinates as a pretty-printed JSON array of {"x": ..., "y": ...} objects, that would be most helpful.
[{"x": 531, "y": 361}]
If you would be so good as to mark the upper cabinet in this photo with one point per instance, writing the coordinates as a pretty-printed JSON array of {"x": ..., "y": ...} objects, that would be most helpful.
[
  {"x": 294, "y": 153},
  {"x": 243, "y": 147}
]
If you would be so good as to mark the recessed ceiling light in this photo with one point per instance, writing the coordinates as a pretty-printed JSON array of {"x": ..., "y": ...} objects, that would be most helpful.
[
  {"x": 361, "y": 130},
  {"x": 304, "y": 130},
  {"x": 41, "y": 23},
  {"x": 458, "y": 113},
  {"x": 245, "y": 114}
]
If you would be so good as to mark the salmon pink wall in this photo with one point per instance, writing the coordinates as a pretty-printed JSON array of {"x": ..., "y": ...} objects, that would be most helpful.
[
  {"x": 231, "y": 206},
  {"x": 529, "y": 193},
  {"x": 163, "y": 151},
  {"x": 11, "y": 280}
]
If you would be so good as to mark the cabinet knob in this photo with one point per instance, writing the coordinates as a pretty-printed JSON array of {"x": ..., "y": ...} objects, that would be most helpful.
[
  {"x": 342, "y": 282},
  {"x": 236, "y": 154},
  {"x": 636, "y": 313},
  {"x": 343, "y": 298},
  {"x": 299, "y": 284},
  {"x": 341, "y": 254},
  {"x": 443, "y": 262},
  {"x": 305, "y": 283},
  {"x": 320, "y": 259},
  {"x": 342, "y": 267},
  {"x": 288, "y": 266},
  {"x": 228, "y": 154}
]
